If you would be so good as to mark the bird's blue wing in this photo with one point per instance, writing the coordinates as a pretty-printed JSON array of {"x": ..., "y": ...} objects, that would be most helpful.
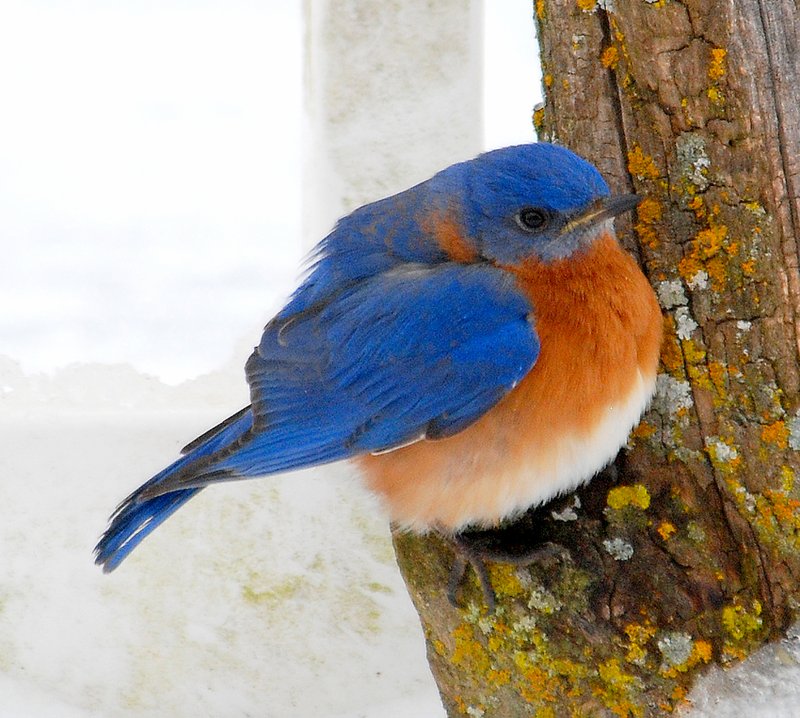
[
  {"x": 417, "y": 351},
  {"x": 414, "y": 352}
]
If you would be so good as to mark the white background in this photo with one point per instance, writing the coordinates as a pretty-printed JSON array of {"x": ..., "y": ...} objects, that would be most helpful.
[{"x": 150, "y": 160}]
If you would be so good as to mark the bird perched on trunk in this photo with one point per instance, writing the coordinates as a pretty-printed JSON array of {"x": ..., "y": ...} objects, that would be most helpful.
[{"x": 479, "y": 344}]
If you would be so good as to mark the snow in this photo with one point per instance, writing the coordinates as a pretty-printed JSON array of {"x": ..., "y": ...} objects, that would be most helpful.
[
  {"x": 765, "y": 685},
  {"x": 271, "y": 598}
]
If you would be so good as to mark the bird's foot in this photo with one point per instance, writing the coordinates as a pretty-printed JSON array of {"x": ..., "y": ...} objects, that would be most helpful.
[{"x": 474, "y": 548}]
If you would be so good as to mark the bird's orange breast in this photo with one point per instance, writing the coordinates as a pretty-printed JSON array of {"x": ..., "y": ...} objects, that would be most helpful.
[{"x": 600, "y": 330}]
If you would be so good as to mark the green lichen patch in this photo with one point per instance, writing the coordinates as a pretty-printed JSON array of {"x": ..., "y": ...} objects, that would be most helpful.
[
  {"x": 743, "y": 624},
  {"x": 635, "y": 495},
  {"x": 275, "y": 593}
]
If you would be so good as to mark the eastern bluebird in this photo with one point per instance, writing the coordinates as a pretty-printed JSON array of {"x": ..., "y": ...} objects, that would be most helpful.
[{"x": 479, "y": 344}]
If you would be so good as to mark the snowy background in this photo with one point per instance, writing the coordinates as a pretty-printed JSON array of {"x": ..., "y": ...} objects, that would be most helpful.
[{"x": 150, "y": 220}]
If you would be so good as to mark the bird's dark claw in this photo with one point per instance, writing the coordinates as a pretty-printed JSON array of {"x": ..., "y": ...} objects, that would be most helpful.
[
  {"x": 474, "y": 548},
  {"x": 466, "y": 555}
]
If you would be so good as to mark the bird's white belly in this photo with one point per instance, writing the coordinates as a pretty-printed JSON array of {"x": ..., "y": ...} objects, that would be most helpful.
[
  {"x": 548, "y": 471},
  {"x": 491, "y": 483}
]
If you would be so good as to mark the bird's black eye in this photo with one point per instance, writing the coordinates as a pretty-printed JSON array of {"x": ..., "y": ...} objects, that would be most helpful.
[{"x": 531, "y": 219}]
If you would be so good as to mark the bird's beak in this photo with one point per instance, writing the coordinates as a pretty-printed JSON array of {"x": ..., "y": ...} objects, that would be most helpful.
[{"x": 601, "y": 210}]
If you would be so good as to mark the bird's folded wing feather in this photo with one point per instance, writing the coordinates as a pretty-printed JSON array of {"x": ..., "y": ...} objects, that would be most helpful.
[{"x": 417, "y": 352}]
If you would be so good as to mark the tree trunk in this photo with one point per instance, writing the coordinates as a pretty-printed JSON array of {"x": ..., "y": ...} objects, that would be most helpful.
[{"x": 686, "y": 551}]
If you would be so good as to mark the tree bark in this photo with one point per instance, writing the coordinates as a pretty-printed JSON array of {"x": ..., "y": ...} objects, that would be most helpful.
[{"x": 687, "y": 550}]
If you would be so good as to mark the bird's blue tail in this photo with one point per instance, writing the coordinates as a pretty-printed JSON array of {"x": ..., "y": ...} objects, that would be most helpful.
[{"x": 142, "y": 511}]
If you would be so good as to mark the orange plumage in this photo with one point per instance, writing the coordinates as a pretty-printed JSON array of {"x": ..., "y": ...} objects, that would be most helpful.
[{"x": 600, "y": 329}]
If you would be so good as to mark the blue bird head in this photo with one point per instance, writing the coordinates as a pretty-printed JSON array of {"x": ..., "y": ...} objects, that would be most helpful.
[
  {"x": 509, "y": 205},
  {"x": 530, "y": 201}
]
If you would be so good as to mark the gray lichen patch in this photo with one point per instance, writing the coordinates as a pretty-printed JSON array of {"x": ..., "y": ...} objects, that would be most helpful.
[
  {"x": 794, "y": 431},
  {"x": 675, "y": 648},
  {"x": 671, "y": 294},
  {"x": 671, "y": 395},
  {"x": 693, "y": 160},
  {"x": 618, "y": 548}
]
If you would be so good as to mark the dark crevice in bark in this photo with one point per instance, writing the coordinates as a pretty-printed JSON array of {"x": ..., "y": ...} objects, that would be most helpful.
[
  {"x": 791, "y": 193},
  {"x": 790, "y": 252},
  {"x": 615, "y": 100},
  {"x": 614, "y": 92}
]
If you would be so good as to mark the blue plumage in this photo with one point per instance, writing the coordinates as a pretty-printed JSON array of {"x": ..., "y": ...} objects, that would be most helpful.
[
  {"x": 389, "y": 339},
  {"x": 416, "y": 351},
  {"x": 137, "y": 516},
  {"x": 482, "y": 194}
]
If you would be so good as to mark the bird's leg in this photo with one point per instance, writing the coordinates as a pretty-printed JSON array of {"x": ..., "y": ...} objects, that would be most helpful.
[
  {"x": 474, "y": 548},
  {"x": 466, "y": 555}
]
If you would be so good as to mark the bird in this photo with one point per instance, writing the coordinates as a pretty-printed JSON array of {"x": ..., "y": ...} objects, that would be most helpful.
[{"x": 477, "y": 345}]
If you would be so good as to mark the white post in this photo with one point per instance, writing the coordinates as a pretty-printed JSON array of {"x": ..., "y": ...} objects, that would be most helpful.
[{"x": 393, "y": 93}]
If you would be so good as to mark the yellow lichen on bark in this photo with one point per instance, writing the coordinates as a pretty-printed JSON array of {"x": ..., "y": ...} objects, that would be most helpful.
[
  {"x": 623, "y": 496},
  {"x": 610, "y": 57},
  {"x": 641, "y": 165}
]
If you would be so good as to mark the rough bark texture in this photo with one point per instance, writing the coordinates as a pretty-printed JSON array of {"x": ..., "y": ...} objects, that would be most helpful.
[{"x": 687, "y": 551}]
